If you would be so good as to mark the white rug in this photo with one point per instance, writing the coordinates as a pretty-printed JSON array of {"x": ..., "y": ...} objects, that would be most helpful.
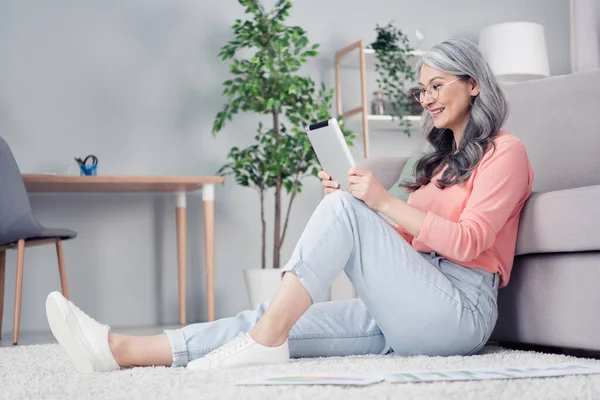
[{"x": 43, "y": 371}]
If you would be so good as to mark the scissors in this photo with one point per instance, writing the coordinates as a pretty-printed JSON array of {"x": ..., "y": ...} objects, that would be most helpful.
[{"x": 91, "y": 157}]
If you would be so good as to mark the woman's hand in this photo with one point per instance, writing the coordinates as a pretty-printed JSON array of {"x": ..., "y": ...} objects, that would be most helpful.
[
  {"x": 329, "y": 185},
  {"x": 365, "y": 186}
]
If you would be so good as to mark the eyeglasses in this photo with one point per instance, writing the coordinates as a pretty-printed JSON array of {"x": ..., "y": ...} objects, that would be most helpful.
[{"x": 433, "y": 90}]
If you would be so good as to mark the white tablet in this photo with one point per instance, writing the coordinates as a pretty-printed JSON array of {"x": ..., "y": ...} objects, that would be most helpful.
[{"x": 331, "y": 149}]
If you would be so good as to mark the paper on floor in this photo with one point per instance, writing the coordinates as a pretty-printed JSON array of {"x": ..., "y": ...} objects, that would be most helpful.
[
  {"x": 514, "y": 372},
  {"x": 314, "y": 379}
]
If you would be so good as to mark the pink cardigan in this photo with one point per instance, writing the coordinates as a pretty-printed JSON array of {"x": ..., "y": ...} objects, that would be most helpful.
[{"x": 475, "y": 224}]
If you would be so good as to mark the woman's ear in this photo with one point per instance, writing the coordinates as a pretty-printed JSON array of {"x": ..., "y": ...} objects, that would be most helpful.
[{"x": 474, "y": 87}]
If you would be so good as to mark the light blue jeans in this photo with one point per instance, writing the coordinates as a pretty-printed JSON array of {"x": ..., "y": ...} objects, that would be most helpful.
[{"x": 409, "y": 303}]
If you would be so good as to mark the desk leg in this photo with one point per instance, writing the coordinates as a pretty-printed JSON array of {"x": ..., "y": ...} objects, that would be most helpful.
[
  {"x": 180, "y": 212},
  {"x": 208, "y": 197}
]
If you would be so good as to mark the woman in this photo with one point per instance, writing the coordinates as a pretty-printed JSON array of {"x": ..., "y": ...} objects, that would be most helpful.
[{"x": 426, "y": 286}]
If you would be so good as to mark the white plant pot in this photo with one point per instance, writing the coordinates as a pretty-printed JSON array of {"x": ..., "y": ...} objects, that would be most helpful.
[{"x": 261, "y": 285}]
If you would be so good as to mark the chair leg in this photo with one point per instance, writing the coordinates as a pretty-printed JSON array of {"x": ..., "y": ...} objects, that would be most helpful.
[
  {"x": 18, "y": 288},
  {"x": 61, "y": 269},
  {"x": 2, "y": 270}
]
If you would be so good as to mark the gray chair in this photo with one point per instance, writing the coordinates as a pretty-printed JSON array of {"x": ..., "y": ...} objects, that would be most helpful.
[{"x": 19, "y": 229}]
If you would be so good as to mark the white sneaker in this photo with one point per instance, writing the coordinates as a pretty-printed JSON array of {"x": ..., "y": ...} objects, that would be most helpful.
[
  {"x": 84, "y": 339},
  {"x": 242, "y": 350}
]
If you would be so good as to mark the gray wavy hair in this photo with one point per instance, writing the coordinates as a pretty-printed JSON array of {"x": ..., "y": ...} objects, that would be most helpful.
[{"x": 487, "y": 114}]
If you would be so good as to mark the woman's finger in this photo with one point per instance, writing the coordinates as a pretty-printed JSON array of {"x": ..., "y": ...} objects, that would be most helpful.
[
  {"x": 323, "y": 175},
  {"x": 355, "y": 190},
  {"x": 330, "y": 184},
  {"x": 356, "y": 186},
  {"x": 354, "y": 179}
]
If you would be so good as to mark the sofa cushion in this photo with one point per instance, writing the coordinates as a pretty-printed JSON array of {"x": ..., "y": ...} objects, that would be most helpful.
[
  {"x": 560, "y": 221},
  {"x": 407, "y": 175},
  {"x": 555, "y": 119}
]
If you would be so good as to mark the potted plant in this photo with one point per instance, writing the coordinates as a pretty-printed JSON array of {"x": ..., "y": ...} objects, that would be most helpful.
[
  {"x": 392, "y": 52},
  {"x": 265, "y": 57}
]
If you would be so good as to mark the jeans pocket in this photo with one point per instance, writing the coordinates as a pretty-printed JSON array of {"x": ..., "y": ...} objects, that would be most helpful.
[
  {"x": 470, "y": 294},
  {"x": 466, "y": 280}
]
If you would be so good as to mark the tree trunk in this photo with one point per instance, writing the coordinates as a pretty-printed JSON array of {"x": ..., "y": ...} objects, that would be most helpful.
[
  {"x": 287, "y": 214},
  {"x": 277, "y": 227},
  {"x": 293, "y": 196},
  {"x": 264, "y": 230}
]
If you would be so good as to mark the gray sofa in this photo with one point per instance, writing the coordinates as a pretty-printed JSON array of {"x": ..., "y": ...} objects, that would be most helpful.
[
  {"x": 554, "y": 289},
  {"x": 553, "y": 293}
]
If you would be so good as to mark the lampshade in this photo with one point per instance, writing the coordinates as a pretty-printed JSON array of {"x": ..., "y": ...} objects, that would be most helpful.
[{"x": 515, "y": 51}]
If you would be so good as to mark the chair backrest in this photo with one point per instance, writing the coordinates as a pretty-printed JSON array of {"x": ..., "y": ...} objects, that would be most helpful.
[
  {"x": 14, "y": 201},
  {"x": 556, "y": 119}
]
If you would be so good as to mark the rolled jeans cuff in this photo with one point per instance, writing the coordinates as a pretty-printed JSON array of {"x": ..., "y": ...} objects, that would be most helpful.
[
  {"x": 308, "y": 278},
  {"x": 178, "y": 347}
]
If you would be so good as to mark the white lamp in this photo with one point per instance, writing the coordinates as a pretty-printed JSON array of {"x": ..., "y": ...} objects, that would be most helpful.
[{"x": 516, "y": 51}]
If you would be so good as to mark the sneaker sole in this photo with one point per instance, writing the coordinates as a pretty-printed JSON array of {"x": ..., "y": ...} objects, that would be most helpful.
[{"x": 57, "y": 310}]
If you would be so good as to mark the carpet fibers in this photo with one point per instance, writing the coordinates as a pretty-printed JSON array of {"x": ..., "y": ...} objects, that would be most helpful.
[{"x": 43, "y": 371}]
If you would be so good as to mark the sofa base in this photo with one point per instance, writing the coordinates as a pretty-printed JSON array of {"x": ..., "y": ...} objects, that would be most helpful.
[
  {"x": 579, "y": 353},
  {"x": 552, "y": 300}
]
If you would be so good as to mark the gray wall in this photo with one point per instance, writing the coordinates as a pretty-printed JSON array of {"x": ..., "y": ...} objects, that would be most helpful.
[{"x": 138, "y": 84}]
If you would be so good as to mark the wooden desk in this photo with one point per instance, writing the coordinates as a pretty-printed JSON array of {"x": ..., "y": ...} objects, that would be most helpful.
[{"x": 180, "y": 185}]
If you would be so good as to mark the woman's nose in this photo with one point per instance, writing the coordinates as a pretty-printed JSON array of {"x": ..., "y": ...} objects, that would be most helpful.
[{"x": 427, "y": 101}]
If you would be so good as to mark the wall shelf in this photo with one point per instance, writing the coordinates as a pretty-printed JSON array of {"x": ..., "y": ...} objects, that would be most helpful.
[
  {"x": 381, "y": 122},
  {"x": 358, "y": 57},
  {"x": 352, "y": 59}
]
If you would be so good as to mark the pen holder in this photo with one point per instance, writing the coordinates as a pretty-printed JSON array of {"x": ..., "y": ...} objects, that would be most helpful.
[{"x": 88, "y": 170}]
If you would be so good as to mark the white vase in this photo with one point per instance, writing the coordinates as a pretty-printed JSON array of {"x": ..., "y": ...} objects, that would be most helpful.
[{"x": 261, "y": 285}]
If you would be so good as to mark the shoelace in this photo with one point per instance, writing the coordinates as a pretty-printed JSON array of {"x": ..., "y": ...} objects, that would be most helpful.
[{"x": 239, "y": 342}]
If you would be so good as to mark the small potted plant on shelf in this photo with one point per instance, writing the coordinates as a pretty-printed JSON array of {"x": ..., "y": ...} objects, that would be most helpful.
[
  {"x": 392, "y": 53},
  {"x": 267, "y": 82}
]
